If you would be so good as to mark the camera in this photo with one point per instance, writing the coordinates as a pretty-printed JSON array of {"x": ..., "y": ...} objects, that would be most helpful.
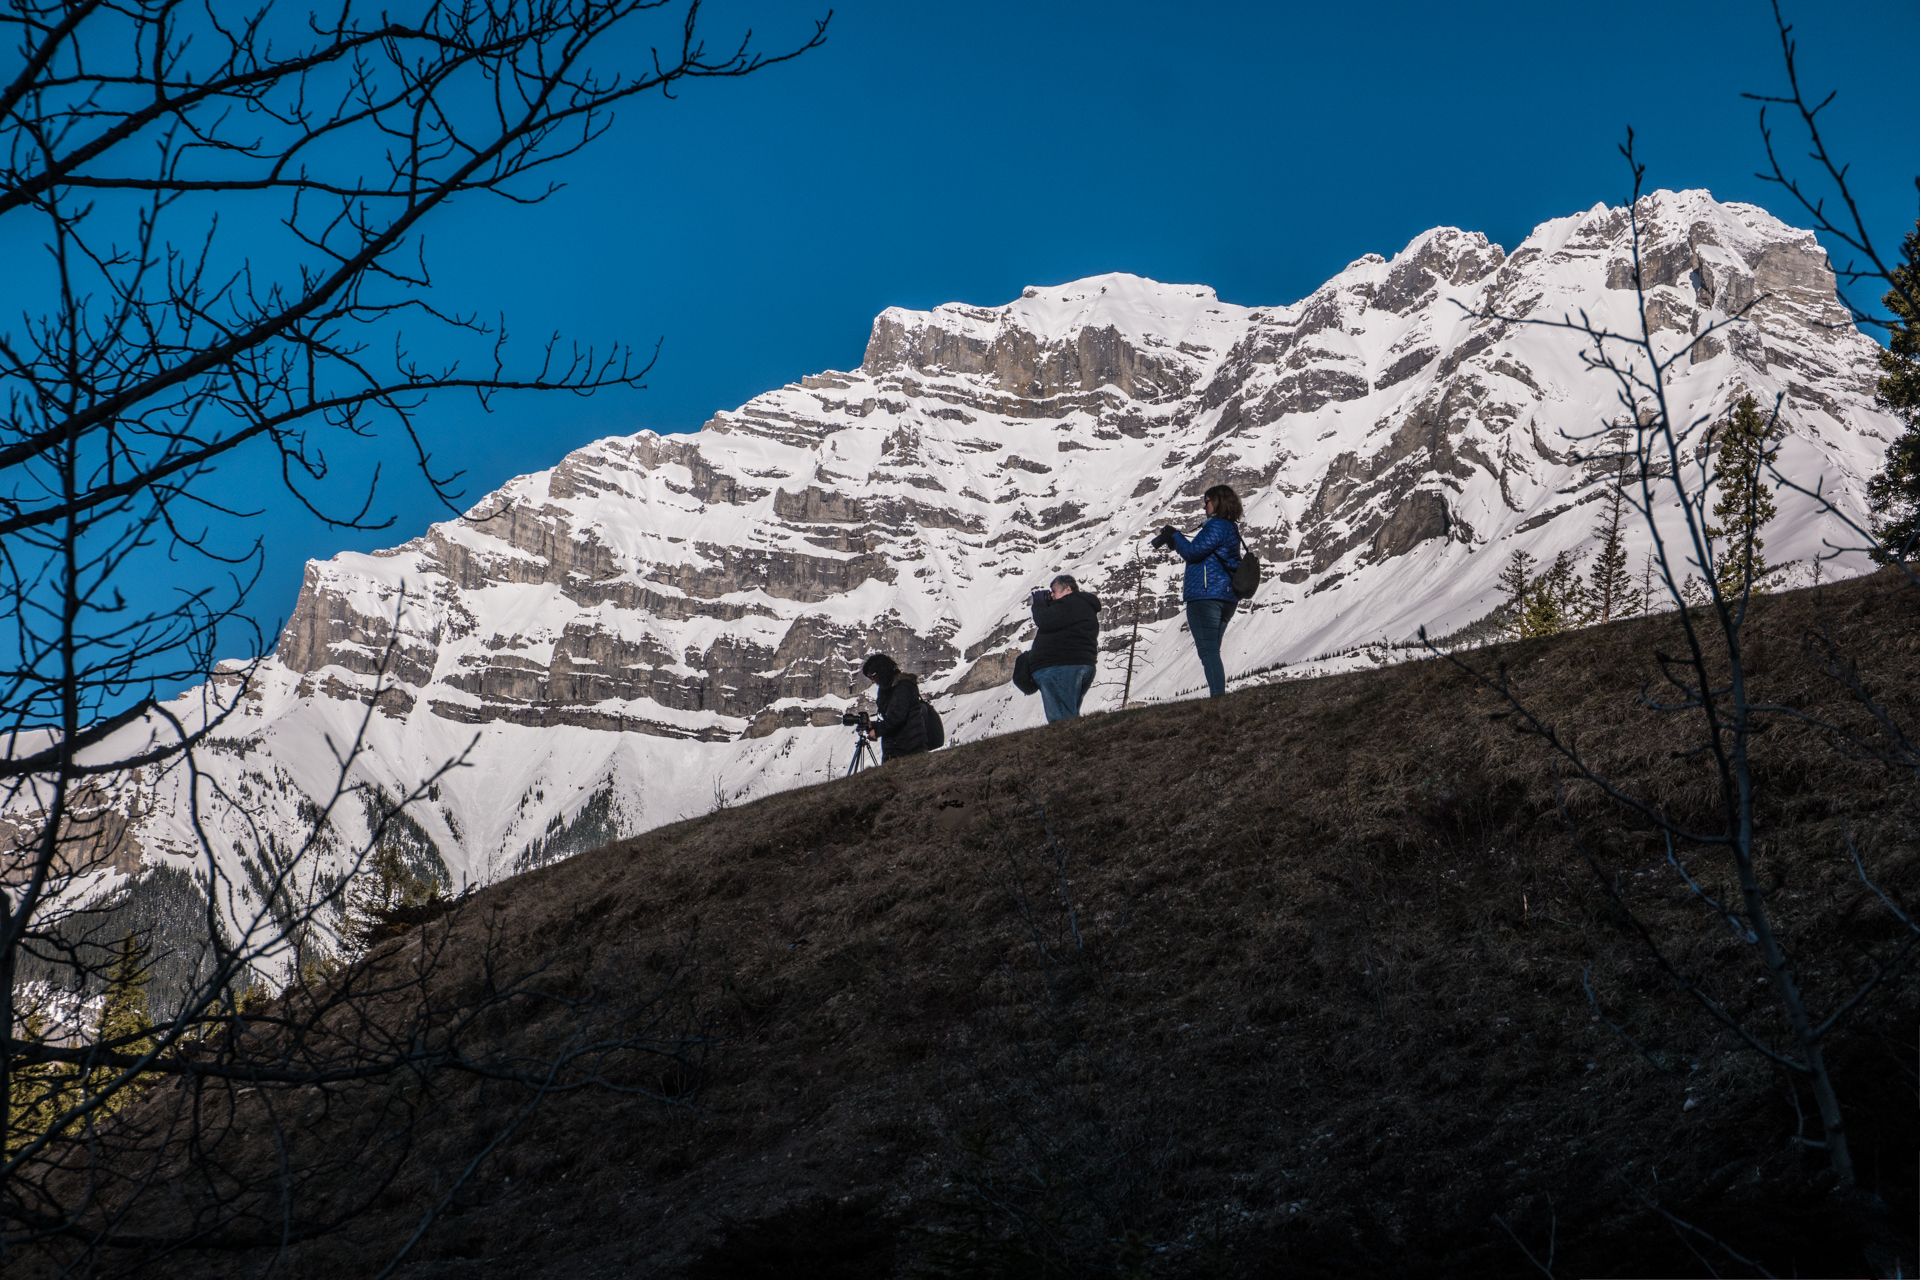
[
  {"x": 1163, "y": 541},
  {"x": 862, "y": 718}
]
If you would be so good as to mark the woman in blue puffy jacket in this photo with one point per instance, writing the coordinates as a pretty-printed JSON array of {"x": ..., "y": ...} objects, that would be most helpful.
[{"x": 1211, "y": 555}]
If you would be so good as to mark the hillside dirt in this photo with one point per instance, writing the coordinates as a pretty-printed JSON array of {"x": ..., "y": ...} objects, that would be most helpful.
[{"x": 1294, "y": 981}]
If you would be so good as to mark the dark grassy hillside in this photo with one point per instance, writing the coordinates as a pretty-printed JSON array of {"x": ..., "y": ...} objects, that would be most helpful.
[{"x": 1290, "y": 981}]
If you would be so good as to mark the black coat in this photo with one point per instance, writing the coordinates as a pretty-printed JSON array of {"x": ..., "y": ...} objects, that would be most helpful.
[
  {"x": 1069, "y": 631},
  {"x": 902, "y": 725}
]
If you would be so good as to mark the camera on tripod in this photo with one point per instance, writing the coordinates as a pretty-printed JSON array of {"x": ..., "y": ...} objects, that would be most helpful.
[{"x": 861, "y": 722}]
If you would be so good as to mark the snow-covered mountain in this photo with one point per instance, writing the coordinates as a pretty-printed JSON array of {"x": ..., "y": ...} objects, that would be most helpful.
[{"x": 661, "y": 623}]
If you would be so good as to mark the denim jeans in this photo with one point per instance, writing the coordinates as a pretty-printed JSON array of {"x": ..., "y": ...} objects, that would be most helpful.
[
  {"x": 1207, "y": 619},
  {"x": 1061, "y": 689}
]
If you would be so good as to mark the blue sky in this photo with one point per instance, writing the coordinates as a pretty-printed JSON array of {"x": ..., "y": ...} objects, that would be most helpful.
[{"x": 938, "y": 152}]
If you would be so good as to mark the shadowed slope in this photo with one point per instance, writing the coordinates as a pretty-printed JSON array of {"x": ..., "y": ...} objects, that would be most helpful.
[{"x": 1307, "y": 993}]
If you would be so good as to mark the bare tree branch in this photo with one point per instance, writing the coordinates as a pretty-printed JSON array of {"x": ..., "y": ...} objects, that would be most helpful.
[{"x": 150, "y": 349}]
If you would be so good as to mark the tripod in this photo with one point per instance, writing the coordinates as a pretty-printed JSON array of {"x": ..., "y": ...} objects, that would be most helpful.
[{"x": 863, "y": 757}]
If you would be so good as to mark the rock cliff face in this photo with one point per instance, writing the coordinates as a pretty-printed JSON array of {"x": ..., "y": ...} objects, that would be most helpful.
[{"x": 657, "y": 624}]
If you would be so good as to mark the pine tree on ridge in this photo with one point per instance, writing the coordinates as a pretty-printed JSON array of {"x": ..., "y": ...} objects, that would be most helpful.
[
  {"x": 1612, "y": 589},
  {"x": 1744, "y": 506},
  {"x": 1893, "y": 496}
]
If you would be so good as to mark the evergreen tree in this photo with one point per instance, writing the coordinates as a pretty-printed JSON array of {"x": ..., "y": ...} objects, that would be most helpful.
[
  {"x": 1576, "y": 597},
  {"x": 1547, "y": 603},
  {"x": 36, "y": 1094},
  {"x": 1743, "y": 506},
  {"x": 1893, "y": 496},
  {"x": 385, "y": 885},
  {"x": 1515, "y": 583},
  {"x": 124, "y": 1025},
  {"x": 123, "y": 1014},
  {"x": 1559, "y": 600},
  {"x": 1614, "y": 595},
  {"x": 1541, "y": 614}
]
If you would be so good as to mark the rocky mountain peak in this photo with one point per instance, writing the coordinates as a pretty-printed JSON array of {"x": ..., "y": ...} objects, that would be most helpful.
[
  {"x": 657, "y": 621},
  {"x": 1444, "y": 255},
  {"x": 1145, "y": 339}
]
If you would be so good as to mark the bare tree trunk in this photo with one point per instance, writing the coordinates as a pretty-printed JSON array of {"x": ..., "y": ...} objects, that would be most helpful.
[
  {"x": 1133, "y": 640},
  {"x": 1706, "y": 683}
]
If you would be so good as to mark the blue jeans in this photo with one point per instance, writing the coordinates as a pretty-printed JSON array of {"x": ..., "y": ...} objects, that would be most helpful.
[
  {"x": 1207, "y": 619},
  {"x": 1061, "y": 689}
]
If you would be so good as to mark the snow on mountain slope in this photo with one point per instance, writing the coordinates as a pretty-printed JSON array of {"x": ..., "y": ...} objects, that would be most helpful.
[{"x": 659, "y": 624}]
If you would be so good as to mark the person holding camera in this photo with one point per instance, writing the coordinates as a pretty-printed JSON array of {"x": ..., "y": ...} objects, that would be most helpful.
[
  {"x": 1063, "y": 654},
  {"x": 901, "y": 728},
  {"x": 1211, "y": 555}
]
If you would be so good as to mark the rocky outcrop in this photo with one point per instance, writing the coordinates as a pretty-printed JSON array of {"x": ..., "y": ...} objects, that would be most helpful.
[{"x": 989, "y": 672}]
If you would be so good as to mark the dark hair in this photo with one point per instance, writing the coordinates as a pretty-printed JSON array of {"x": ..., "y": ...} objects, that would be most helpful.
[
  {"x": 1226, "y": 503},
  {"x": 1068, "y": 579},
  {"x": 880, "y": 667}
]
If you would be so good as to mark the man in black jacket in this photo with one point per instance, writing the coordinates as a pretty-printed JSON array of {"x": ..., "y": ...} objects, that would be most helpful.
[
  {"x": 1064, "y": 652},
  {"x": 902, "y": 726}
]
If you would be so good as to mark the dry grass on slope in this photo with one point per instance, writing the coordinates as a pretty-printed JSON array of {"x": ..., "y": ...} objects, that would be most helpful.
[{"x": 1306, "y": 995}]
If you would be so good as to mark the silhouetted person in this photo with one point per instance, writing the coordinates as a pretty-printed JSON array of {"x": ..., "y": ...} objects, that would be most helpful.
[
  {"x": 901, "y": 728},
  {"x": 1212, "y": 555},
  {"x": 1063, "y": 654}
]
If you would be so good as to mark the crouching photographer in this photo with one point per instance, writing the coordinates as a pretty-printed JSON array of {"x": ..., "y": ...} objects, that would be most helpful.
[
  {"x": 901, "y": 728},
  {"x": 1064, "y": 651}
]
